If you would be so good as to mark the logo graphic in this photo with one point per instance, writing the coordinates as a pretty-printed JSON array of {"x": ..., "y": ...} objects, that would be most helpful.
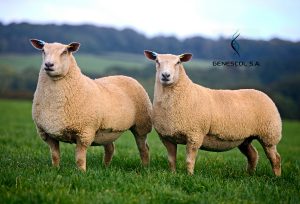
[
  {"x": 234, "y": 44},
  {"x": 236, "y": 63}
]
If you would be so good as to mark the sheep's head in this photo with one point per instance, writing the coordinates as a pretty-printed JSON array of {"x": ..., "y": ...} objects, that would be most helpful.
[
  {"x": 56, "y": 57},
  {"x": 167, "y": 66}
]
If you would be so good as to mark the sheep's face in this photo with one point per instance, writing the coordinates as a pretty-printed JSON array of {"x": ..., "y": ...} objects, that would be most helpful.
[
  {"x": 56, "y": 57},
  {"x": 167, "y": 66},
  {"x": 167, "y": 69}
]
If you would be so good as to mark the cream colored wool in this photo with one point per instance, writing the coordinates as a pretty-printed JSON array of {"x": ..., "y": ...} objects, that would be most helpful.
[
  {"x": 70, "y": 107},
  {"x": 214, "y": 120}
]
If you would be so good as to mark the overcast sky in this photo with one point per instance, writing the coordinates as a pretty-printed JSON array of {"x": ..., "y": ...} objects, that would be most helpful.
[{"x": 256, "y": 19}]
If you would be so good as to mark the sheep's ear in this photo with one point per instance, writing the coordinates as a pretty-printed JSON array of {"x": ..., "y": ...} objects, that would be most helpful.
[
  {"x": 185, "y": 57},
  {"x": 150, "y": 54},
  {"x": 73, "y": 47},
  {"x": 38, "y": 44}
]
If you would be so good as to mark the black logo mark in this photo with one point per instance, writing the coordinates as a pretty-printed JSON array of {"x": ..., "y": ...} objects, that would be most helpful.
[{"x": 234, "y": 44}]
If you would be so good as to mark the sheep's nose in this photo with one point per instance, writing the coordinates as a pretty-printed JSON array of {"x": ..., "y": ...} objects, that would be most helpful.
[
  {"x": 165, "y": 75},
  {"x": 49, "y": 65}
]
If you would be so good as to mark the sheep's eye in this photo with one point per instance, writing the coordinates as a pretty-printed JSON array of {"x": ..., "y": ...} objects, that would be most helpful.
[
  {"x": 43, "y": 51},
  {"x": 64, "y": 52},
  {"x": 178, "y": 62},
  {"x": 157, "y": 62}
]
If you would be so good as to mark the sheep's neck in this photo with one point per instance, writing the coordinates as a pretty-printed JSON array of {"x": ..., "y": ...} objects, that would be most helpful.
[
  {"x": 68, "y": 86},
  {"x": 74, "y": 75}
]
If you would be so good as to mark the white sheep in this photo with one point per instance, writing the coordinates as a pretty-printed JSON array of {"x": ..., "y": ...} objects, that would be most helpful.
[
  {"x": 70, "y": 107},
  {"x": 214, "y": 120}
]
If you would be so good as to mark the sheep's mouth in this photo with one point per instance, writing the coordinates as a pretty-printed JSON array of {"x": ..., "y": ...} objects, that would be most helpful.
[
  {"x": 47, "y": 69},
  {"x": 52, "y": 73},
  {"x": 166, "y": 82}
]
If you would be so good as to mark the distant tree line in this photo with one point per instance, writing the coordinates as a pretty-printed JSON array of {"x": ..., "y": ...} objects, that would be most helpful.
[{"x": 96, "y": 40}]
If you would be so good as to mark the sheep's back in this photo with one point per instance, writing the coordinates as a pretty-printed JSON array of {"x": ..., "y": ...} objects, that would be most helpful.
[{"x": 238, "y": 114}]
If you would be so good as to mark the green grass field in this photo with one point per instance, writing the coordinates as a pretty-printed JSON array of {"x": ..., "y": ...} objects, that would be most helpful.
[
  {"x": 91, "y": 63},
  {"x": 27, "y": 175}
]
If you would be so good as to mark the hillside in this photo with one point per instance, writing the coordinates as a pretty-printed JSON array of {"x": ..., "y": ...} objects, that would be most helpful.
[{"x": 90, "y": 63}]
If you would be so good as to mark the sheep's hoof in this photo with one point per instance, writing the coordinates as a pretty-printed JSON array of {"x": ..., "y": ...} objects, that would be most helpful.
[
  {"x": 106, "y": 164},
  {"x": 277, "y": 172},
  {"x": 55, "y": 165},
  {"x": 55, "y": 161},
  {"x": 82, "y": 169},
  {"x": 146, "y": 163},
  {"x": 173, "y": 169},
  {"x": 250, "y": 170}
]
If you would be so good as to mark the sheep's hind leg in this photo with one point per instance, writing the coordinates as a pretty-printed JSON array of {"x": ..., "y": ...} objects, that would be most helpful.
[
  {"x": 251, "y": 153},
  {"x": 141, "y": 142},
  {"x": 80, "y": 155},
  {"x": 274, "y": 158},
  {"x": 108, "y": 153},
  {"x": 172, "y": 151}
]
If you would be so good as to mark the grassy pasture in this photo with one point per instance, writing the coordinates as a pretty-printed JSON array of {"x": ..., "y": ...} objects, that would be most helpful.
[{"x": 26, "y": 175}]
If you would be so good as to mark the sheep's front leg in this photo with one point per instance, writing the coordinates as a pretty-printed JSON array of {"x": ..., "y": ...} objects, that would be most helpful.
[
  {"x": 172, "y": 152},
  {"x": 81, "y": 156},
  {"x": 191, "y": 154},
  {"x": 53, "y": 145},
  {"x": 54, "y": 149}
]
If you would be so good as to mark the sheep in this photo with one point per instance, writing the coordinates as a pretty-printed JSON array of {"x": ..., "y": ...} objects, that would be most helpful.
[
  {"x": 213, "y": 120},
  {"x": 70, "y": 107}
]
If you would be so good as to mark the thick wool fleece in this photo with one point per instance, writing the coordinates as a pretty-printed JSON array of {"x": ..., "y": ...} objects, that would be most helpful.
[
  {"x": 219, "y": 119},
  {"x": 77, "y": 107}
]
